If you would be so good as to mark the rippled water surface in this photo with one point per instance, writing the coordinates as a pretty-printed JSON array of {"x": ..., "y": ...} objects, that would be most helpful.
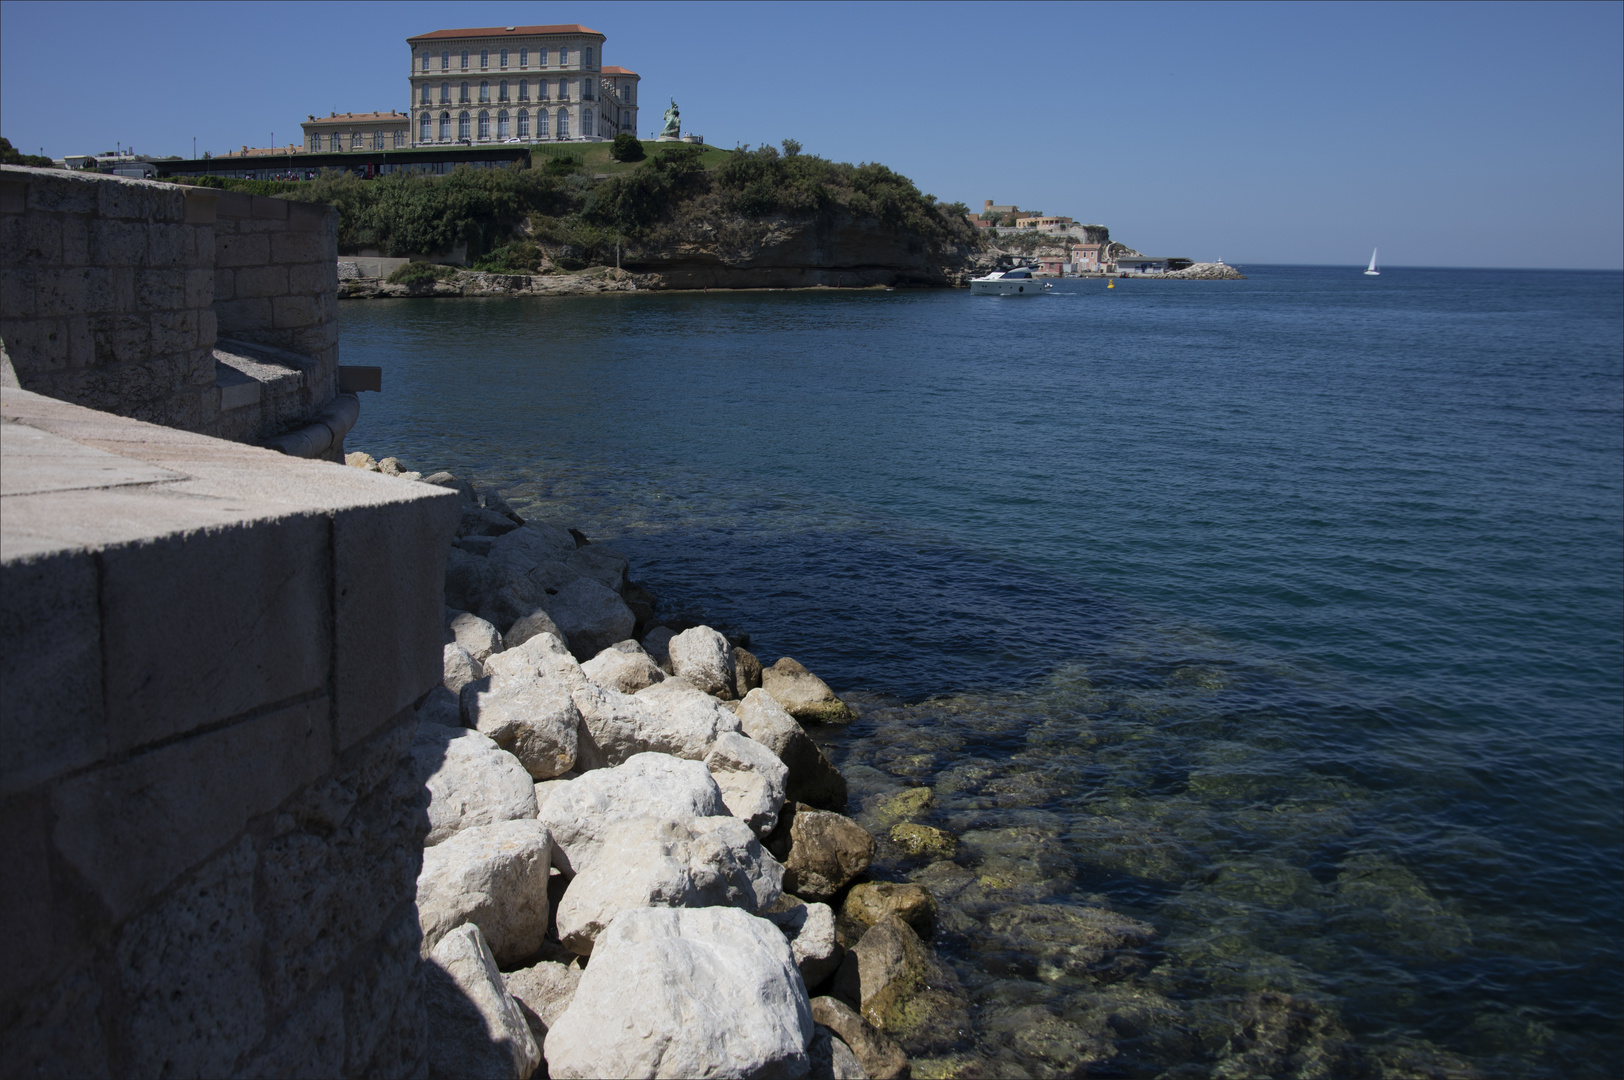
[{"x": 1259, "y": 642}]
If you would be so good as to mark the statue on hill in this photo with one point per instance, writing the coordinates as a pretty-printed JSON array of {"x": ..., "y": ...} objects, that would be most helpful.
[{"x": 673, "y": 122}]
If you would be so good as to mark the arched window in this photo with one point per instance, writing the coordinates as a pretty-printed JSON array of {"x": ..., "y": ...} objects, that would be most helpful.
[
  {"x": 524, "y": 58},
  {"x": 504, "y": 59},
  {"x": 356, "y": 140},
  {"x": 377, "y": 140},
  {"x": 425, "y": 128},
  {"x": 564, "y": 57},
  {"x": 462, "y": 125},
  {"x": 484, "y": 124},
  {"x": 445, "y": 93},
  {"x": 502, "y": 124},
  {"x": 425, "y": 61},
  {"x": 423, "y": 94},
  {"x": 524, "y": 89},
  {"x": 400, "y": 139},
  {"x": 445, "y": 61},
  {"x": 484, "y": 91},
  {"x": 541, "y": 123},
  {"x": 586, "y": 123},
  {"x": 462, "y": 94},
  {"x": 445, "y": 127},
  {"x": 315, "y": 141},
  {"x": 626, "y": 92},
  {"x": 586, "y": 57},
  {"x": 501, "y": 90},
  {"x": 563, "y": 124},
  {"x": 465, "y": 59},
  {"x": 524, "y": 123},
  {"x": 484, "y": 59}
]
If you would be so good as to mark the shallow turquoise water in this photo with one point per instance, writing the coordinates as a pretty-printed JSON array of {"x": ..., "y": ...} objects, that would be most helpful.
[{"x": 1283, "y": 616}]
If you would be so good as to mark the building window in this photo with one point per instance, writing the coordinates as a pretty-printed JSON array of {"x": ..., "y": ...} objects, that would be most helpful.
[
  {"x": 315, "y": 142},
  {"x": 586, "y": 123},
  {"x": 400, "y": 139},
  {"x": 335, "y": 141},
  {"x": 524, "y": 58},
  {"x": 445, "y": 93},
  {"x": 425, "y": 61},
  {"x": 541, "y": 89},
  {"x": 586, "y": 58},
  {"x": 445, "y": 127},
  {"x": 564, "y": 57},
  {"x": 541, "y": 57},
  {"x": 563, "y": 124},
  {"x": 501, "y": 91},
  {"x": 484, "y": 124},
  {"x": 563, "y": 89},
  {"x": 462, "y": 125},
  {"x": 626, "y": 92},
  {"x": 524, "y": 123},
  {"x": 462, "y": 94},
  {"x": 377, "y": 140},
  {"x": 541, "y": 123},
  {"x": 445, "y": 61},
  {"x": 586, "y": 89},
  {"x": 423, "y": 94},
  {"x": 626, "y": 119},
  {"x": 484, "y": 59},
  {"x": 356, "y": 140},
  {"x": 504, "y": 59},
  {"x": 502, "y": 124},
  {"x": 465, "y": 59},
  {"x": 484, "y": 91},
  {"x": 524, "y": 89},
  {"x": 425, "y": 128}
]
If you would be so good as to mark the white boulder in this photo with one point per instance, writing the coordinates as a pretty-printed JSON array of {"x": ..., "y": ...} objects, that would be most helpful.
[
  {"x": 803, "y": 695},
  {"x": 591, "y": 615},
  {"x": 440, "y": 706},
  {"x": 645, "y": 786},
  {"x": 471, "y": 781},
  {"x": 476, "y": 635},
  {"x": 603, "y": 565},
  {"x": 532, "y": 718},
  {"x": 459, "y": 668},
  {"x": 683, "y": 992},
  {"x": 704, "y": 658},
  {"x": 644, "y": 862},
  {"x": 810, "y": 929},
  {"x": 812, "y": 780},
  {"x": 543, "y": 990},
  {"x": 623, "y": 666},
  {"x": 689, "y": 719},
  {"x": 475, "y": 1028},
  {"x": 751, "y": 778},
  {"x": 537, "y": 622},
  {"x": 494, "y": 876}
]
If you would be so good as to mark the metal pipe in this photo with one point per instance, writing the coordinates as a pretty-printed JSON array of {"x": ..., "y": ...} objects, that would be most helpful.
[{"x": 324, "y": 433}]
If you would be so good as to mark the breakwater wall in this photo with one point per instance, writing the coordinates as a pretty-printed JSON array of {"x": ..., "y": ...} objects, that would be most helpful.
[{"x": 212, "y": 312}]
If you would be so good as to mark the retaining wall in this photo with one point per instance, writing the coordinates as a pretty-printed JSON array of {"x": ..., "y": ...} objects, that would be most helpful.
[{"x": 208, "y": 831}]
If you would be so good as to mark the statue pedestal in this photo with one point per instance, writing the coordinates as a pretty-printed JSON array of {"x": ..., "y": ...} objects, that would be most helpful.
[
  {"x": 668, "y": 138},
  {"x": 695, "y": 140}
]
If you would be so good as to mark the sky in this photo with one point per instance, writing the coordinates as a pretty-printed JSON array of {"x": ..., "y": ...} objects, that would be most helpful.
[{"x": 1455, "y": 134}]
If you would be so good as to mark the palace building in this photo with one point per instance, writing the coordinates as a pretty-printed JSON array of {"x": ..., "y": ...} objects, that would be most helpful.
[
  {"x": 352, "y": 132},
  {"x": 517, "y": 84}
]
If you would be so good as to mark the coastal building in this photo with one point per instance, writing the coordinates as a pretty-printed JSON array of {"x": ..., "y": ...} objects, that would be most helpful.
[
  {"x": 354, "y": 132},
  {"x": 1044, "y": 224},
  {"x": 1086, "y": 258},
  {"x": 517, "y": 84},
  {"x": 1150, "y": 264}
]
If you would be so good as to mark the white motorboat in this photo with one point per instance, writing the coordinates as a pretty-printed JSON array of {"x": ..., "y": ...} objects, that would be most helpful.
[{"x": 1016, "y": 282}]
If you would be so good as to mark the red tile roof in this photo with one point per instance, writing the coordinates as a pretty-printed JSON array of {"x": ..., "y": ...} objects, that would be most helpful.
[
  {"x": 610, "y": 69},
  {"x": 502, "y": 31},
  {"x": 357, "y": 118}
]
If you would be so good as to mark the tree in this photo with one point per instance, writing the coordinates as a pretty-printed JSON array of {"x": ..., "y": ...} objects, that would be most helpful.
[
  {"x": 626, "y": 147},
  {"x": 791, "y": 147},
  {"x": 10, "y": 155}
]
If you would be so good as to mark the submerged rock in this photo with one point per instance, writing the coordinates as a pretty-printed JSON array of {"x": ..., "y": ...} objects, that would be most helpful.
[
  {"x": 1052, "y": 941},
  {"x": 923, "y": 840},
  {"x": 905, "y": 991},
  {"x": 905, "y": 805},
  {"x": 803, "y": 695},
  {"x": 475, "y": 1028},
  {"x": 877, "y": 1052},
  {"x": 872, "y": 901},
  {"x": 675, "y": 992}
]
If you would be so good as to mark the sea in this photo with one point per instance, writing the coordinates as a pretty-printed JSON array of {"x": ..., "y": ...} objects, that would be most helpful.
[{"x": 1259, "y": 641}]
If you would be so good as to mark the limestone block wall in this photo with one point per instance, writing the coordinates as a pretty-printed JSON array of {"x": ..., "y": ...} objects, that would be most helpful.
[
  {"x": 114, "y": 292},
  {"x": 276, "y": 280},
  {"x": 209, "y": 654},
  {"x": 107, "y": 292}
]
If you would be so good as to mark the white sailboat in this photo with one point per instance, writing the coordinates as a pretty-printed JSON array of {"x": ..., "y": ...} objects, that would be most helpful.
[{"x": 1371, "y": 271}]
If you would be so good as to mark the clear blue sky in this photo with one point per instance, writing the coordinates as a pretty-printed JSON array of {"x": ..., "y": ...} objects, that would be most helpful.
[{"x": 1459, "y": 134}]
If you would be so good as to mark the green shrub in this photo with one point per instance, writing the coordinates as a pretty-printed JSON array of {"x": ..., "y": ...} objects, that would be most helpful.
[
  {"x": 632, "y": 201},
  {"x": 626, "y": 147},
  {"x": 10, "y": 155},
  {"x": 420, "y": 273},
  {"x": 514, "y": 257},
  {"x": 250, "y": 187},
  {"x": 562, "y": 165}
]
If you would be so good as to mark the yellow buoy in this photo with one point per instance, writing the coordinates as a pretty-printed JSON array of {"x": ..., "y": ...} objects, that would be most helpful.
[{"x": 1109, "y": 284}]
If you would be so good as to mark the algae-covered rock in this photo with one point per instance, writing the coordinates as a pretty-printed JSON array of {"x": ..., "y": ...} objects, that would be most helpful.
[
  {"x": 803, "y": 695},
  {"x": 905, "y": 805},
  {"x": 1275, "y": 1034},
  {"x": 866, "y": 904},
  {"x": 878, "y": 1053},
  {"x": 1052, "y": 941},
  {"x": 822, "y": 852},
  {"x": 923, "y": 840},
  {"x": 904, "y": 991},
  {"x": 1385, "y": 901}
]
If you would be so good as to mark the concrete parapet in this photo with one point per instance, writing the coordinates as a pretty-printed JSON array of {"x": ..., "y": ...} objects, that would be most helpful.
[{"x": 210, "y": 657}]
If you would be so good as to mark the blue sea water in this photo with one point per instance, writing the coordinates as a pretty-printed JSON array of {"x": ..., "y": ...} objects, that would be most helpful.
[{"x": 1284, "y": 616}]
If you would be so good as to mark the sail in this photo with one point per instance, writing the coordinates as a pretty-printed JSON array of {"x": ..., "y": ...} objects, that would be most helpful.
[{"x": 1372, "y": 265}]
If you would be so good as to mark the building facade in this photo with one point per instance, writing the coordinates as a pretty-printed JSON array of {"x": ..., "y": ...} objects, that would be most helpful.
[
  {"x": 517, "y": 84},
  {"x": 355, "y": 132}
]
